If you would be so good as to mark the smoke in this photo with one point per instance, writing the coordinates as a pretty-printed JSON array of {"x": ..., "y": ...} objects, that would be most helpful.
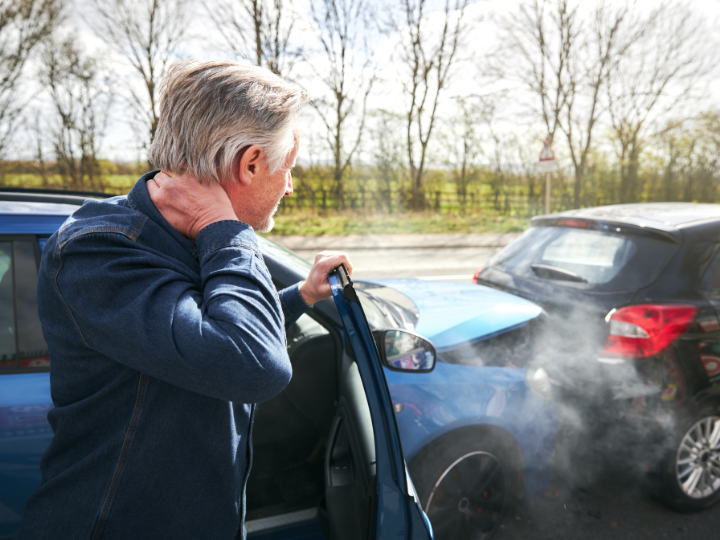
[{"x": 612, "y": 413}]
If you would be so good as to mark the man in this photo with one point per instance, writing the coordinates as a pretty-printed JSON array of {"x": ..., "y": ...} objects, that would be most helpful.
[{"x": 163, "y": 324}]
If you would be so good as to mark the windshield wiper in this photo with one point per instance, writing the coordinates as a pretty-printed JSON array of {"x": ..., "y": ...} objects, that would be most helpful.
[{"x": 545, "y": 271}]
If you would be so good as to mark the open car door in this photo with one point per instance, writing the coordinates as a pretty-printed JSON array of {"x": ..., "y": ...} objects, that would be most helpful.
[{"x": 364, "y": 463}]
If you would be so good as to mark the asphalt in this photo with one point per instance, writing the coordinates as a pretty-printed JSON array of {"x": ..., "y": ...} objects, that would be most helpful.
[
  {"x": 451, "y": 257},
  {"x": 395, "y": 241}
]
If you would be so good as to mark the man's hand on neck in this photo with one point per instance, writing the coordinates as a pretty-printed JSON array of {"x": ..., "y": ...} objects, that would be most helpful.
[{"x": 188, "y": 205}]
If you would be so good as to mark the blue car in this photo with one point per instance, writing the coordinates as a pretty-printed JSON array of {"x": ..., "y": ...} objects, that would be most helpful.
[{"x": 328, "y": 460}]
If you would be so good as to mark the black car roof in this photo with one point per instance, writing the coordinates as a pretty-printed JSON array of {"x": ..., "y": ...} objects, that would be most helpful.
[
  {"x": 661, "y": 215},
  {"x": 666, "y": 217}
]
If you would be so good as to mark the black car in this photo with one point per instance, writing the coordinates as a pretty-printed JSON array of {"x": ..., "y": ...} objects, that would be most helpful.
[{"x": 632, "y": 294}]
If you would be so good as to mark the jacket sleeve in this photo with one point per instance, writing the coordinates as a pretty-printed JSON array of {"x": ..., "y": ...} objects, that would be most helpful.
[
  {"x": 221, "y": 334},
  {"x": 293, "y": 304}
]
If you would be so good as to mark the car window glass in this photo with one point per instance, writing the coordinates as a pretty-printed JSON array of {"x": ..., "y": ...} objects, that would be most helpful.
[
  {"x": 595, "y": 256},
  {"x": 8, "y": 350},
  {"x": 42, "y": 242},
  {"x": 515, "y": 247},
  {"x": 602, "y": 261},
  {"x": 32, "y": 348}
]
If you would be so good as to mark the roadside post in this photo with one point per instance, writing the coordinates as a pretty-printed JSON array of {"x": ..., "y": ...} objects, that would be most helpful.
[{"x": 548, "y": 165}]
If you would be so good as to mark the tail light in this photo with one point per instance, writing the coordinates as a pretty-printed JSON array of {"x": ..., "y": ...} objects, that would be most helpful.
[
  {"x": 645, "y": 330},
  {"x": 476, "y": 274}
]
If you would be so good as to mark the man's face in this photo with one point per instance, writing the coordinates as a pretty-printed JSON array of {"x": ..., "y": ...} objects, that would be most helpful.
[
  {"x": 275, "y": 187},
  {"x": 256, "y": 202}
]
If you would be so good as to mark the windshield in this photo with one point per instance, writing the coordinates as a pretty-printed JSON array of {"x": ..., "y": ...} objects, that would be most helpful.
[
  {"x": 387, "y": 308},
  {"x": 284, "y": 256},
  {"x": 588, "y": 259}
]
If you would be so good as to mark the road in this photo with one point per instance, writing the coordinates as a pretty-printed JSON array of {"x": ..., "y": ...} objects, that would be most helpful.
[
  {"x": 453, "y": 257},
  {"x": 611, "y": 504},
  {"x": 614, "y": 503}
]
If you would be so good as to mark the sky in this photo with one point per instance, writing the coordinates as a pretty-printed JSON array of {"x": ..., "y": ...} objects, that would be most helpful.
[{"x": 120, "y": 143}]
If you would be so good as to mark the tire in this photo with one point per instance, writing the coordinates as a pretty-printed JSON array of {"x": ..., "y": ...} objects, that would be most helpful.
[
  {"x": 465, "y": 483},
  {"x": 691, "y": 468}
]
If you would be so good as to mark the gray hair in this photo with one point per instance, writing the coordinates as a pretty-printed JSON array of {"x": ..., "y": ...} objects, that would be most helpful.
[{"x": 210, "y": 111}]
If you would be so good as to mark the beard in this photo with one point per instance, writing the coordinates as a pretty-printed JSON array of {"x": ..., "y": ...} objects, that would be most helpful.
[
  {"x": 269, "y": 222},
  {"x": 267, "y": 225}
]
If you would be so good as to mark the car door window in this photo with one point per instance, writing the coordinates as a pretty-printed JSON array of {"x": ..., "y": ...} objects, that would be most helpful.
[
  {"x": 22, "y": 346},
  {"x": 8, "y": 344}
]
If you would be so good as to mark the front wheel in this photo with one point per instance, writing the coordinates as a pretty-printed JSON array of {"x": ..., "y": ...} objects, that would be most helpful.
[
  {"x": 464, "y": 488},
  {"x": 692, "y": 469}
]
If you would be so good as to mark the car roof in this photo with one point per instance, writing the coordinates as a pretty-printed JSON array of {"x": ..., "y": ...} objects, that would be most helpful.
[
  {"x": 659, "y": 215},
  {"x": 36, "y": 208},
  {"x": 39, "y": 202},
  {"x": 666, "y": 219}
]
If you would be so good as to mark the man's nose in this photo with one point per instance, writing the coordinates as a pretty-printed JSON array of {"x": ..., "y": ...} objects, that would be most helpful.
[{"x": 289, "y": 188}]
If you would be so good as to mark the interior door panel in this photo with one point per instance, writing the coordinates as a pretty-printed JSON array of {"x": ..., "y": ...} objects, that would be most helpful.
[{"x": 350, "y": 460}]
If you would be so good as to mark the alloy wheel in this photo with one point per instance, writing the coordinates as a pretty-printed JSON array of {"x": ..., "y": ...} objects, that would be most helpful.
[
  {"x": 467, "y": 501},
  {"x": 697, "y": 465}
]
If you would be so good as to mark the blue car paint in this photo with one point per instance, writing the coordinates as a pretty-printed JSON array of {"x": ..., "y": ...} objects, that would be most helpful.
[
  {"x": 22, "y": 224},
  {"x": 456, "y": 313},
  {"x": 24, "y": 436},
  {"x": 454, "y": 396}
]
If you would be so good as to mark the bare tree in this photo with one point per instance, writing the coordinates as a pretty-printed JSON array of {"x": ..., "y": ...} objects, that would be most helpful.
[
  {"x": 259, "y": 30},
  {"x": 463, "y": 142},
  {"x": 23, "y": 24},
  {"x": 684, "y": 159},
  {"x": 663, "y": 71},
  {"x": 429, "y": 54},
  {"x": 537, "y": 43},
  {"x": 81, "y": 98},
  {"x": 387, "y": 154},
  {"x": 612, "y": 32},
  {"x": 148, "y": 33},
  {"x": 564, "y": 59},
  {"x": 347, "y": 73}
]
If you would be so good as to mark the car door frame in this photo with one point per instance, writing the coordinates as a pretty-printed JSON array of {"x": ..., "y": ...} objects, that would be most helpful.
[{"x": 394, "y": 497}]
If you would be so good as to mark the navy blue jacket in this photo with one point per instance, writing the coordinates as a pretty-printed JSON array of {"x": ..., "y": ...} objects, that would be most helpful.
[{"x": 159, "y": 348}]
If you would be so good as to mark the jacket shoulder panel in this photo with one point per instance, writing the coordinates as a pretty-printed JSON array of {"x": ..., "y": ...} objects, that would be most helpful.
[{"x": 110, "y": 216}]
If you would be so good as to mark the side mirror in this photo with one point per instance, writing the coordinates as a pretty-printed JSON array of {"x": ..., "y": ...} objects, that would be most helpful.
[{"x": 404, "y": 351}]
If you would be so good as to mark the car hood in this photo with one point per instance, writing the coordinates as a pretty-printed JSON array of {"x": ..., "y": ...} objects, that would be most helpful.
[{"x": 451, "y": 314}]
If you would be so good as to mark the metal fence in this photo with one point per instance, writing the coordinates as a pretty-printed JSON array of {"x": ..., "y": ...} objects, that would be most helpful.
[{"x": 512, "y": 201}]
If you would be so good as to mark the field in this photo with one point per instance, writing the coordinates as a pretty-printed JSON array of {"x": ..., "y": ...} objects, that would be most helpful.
[{"x": 112, "y": 183}]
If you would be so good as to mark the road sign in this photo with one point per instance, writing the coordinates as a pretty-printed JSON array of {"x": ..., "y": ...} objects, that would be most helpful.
[{"x": 547, "y": 163}]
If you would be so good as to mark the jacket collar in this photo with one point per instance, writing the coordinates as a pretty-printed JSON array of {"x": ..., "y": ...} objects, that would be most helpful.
[{"x": 139, "y": 199}]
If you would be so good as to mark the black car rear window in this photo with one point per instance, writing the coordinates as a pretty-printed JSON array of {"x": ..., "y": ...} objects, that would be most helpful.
[{"x": 586, "y": 259}]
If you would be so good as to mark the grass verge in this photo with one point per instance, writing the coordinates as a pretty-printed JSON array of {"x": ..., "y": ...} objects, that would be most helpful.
[{"x": 409, "y": 223}]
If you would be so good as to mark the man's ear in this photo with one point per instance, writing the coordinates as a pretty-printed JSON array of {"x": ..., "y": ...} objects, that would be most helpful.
[{"x": 249, "y": 165}]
